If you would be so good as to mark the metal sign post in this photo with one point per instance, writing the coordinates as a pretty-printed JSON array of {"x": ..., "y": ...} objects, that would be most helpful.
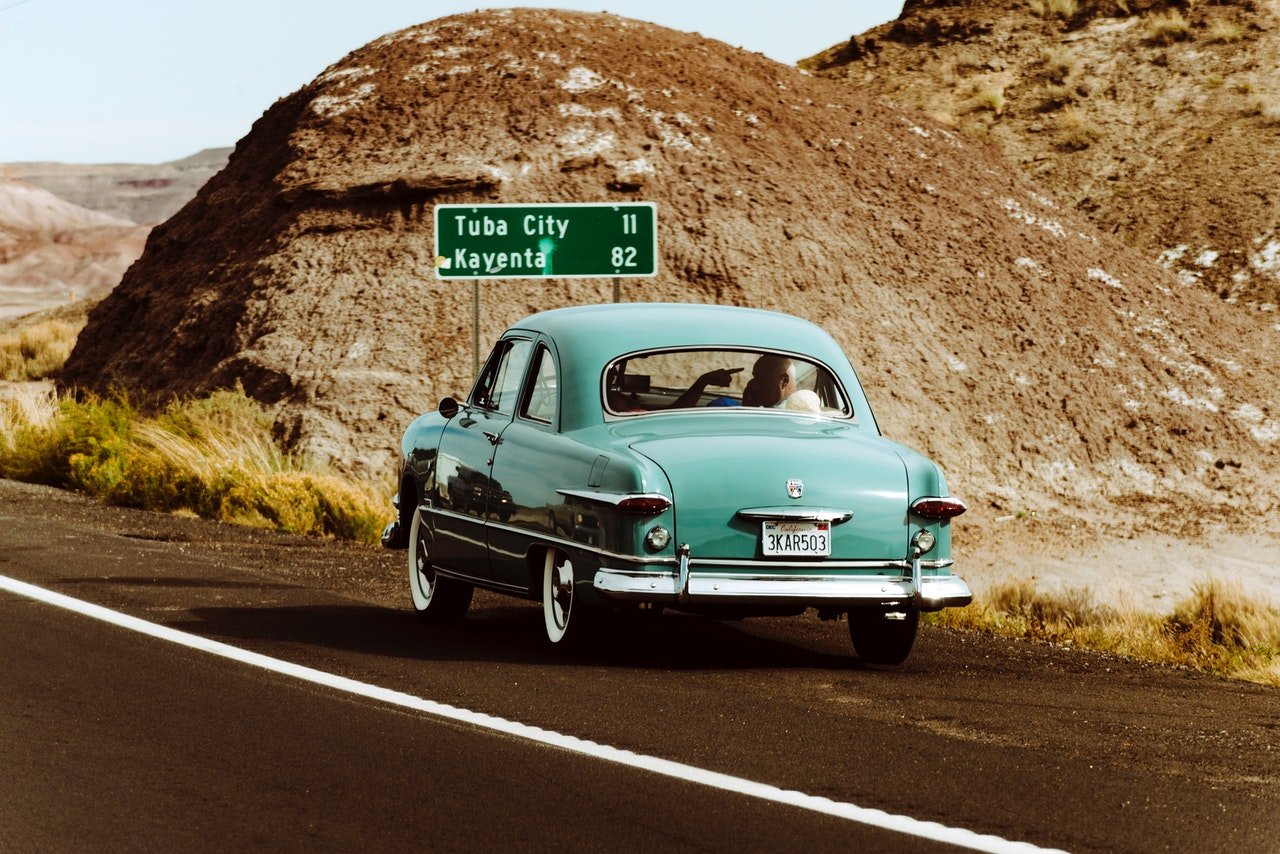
[{"x": 544, "y": 241}]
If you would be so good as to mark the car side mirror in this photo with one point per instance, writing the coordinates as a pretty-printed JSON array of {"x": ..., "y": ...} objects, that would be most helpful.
[{"x": 449, "y": 407}]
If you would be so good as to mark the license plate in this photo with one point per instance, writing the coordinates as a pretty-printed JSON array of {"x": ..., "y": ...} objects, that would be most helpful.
[{"x": 796, "y": 539}]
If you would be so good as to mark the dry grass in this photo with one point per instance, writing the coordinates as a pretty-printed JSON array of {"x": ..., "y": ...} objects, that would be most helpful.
[
  {"x": 213, "y": 457},
  {"x": 1168, "y": 27},
  {"x": 1266, "y": 108},
  {"x": 1217, "y": 629},
  {"x": 990, "y": 99},
  {"x": 1057, "y": 97},
  {"x": 25, "y": 406},
  {"x": 36, "y": 351},
  {"x": 1075, "y": 131},
  {"x": 1057, "y": 63},
  {"x": 1225, "y": 32},
  {"x": 1064, "y": 9}
]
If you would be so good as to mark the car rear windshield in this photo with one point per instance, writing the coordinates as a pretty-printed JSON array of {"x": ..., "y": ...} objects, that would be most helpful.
[{"x": 716, "y": 379}]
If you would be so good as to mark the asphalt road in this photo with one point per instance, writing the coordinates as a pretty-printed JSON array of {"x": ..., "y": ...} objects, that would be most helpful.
[{"x": 112, "y": 740}]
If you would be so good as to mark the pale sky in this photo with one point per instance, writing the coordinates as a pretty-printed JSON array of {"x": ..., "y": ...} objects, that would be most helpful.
[{"x": 147, "y": 81}]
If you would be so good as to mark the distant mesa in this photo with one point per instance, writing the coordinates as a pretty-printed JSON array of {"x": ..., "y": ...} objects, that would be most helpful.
[
  {"x": 69, "y": 231},
  {"x": 145, "y": 193},
  {"x": 146, "y": 183},
  {"x": 53, "y": 252}
]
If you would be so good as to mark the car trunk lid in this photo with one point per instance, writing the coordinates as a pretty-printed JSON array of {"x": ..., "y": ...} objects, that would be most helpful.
[{"x": 768, "y": 469}]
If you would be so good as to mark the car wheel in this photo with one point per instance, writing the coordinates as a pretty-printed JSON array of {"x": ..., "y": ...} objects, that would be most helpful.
[
  {"x": 883, "y": 637},
  {"x": 565, "y": 620},
  {"x": 435, "y": 598}
]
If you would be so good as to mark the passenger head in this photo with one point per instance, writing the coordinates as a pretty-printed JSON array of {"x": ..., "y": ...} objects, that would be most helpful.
[
  {"x": 804, "y": 400},
  {"x": 772, "y": 379}
]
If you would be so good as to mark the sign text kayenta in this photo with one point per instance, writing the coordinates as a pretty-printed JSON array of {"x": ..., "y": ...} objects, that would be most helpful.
[{"x": 546, "y": 240}]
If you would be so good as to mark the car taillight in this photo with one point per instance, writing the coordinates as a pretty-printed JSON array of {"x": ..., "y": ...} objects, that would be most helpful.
[
  {"x": 938, "y": 508},
  {"x": 644, "y": 505}
]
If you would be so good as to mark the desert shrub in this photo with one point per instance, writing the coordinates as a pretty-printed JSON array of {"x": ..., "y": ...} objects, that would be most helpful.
[
  {"x": 1057, "y": 97},
  {"x": 37, "y": 351},
  {"x": 1075, "y": 131},
  {"x": 79, "y": 439},
  {"x": 1168, "y": 27},
  {"x": 1064, "y": 9},
  {"x": 214, "y": 457},
  {"x": 24, "y": 407},
  {"x": 1057, "y": 63},
  {"x": 1067, "y": 610},
  {"x": 301, "y": 503},
  {"x": 1224, "y": 32},
  {"x": 991, "y": 99},
  {"x": 1266, "y": 108},
  {"x": 1218, "y": 624},
  {"x": 1217, "y": 629},
  {"x": 1019, "y": 609}
]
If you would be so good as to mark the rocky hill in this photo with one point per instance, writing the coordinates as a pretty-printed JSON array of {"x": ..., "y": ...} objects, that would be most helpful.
[
  {"x": 1042, "y": 360},
  {"x": 1157, "y": 120},
  {"x": 53, "y": 251}
]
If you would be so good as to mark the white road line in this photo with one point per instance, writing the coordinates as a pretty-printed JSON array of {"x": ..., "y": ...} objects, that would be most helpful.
[{"x": 726, "y": 782}]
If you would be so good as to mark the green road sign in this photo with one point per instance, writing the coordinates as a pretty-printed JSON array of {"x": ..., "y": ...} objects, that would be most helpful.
[{"x": 541, "y": 241}]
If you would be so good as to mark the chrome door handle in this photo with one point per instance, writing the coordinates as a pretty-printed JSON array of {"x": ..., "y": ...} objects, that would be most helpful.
[{"x": 493, "y": 438}]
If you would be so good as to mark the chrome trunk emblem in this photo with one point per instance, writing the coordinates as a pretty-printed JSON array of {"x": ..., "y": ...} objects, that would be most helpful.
[{"x": 795, "y": 487}]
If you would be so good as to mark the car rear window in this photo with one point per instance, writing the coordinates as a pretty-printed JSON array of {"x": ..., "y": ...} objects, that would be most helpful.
[{"x": 722, "y": 379}]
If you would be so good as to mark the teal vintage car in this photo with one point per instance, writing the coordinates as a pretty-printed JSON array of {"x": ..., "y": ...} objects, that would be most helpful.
[{"x": 709, "y": 459}]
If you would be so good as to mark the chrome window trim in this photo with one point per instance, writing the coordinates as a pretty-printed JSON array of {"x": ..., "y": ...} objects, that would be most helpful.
[{"x": 610, "y": 414}]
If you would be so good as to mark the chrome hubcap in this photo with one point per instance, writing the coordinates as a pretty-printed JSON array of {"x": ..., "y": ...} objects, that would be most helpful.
[
  {"x": 562, "y": 593},
  {"x": 426, "y": 574}
]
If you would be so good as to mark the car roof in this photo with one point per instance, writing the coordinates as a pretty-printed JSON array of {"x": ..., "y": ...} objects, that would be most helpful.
[
  {"x": 611, "y": 330},
  {"x": 589, "y": 337}
]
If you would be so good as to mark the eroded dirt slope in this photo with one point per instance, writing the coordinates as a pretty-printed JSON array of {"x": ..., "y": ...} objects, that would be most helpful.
[{"x": 1158, "y": 120}]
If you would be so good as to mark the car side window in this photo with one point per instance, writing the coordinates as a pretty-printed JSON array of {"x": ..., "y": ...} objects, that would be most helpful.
[
  {"x": 540, "y": 402},
  {"x": 499, "y": 385}
]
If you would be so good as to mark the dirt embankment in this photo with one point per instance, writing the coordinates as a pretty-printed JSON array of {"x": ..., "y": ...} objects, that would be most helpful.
[{"x": 1156, "y": 120}]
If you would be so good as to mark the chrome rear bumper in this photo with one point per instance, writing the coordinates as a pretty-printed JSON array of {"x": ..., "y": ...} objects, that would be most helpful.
[{"x": 629, "y": 585}]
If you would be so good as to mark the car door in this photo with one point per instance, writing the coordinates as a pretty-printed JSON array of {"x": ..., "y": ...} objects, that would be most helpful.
[
  {"x": 465, "y": 492},
  {"x": 532, "y": 460}
]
